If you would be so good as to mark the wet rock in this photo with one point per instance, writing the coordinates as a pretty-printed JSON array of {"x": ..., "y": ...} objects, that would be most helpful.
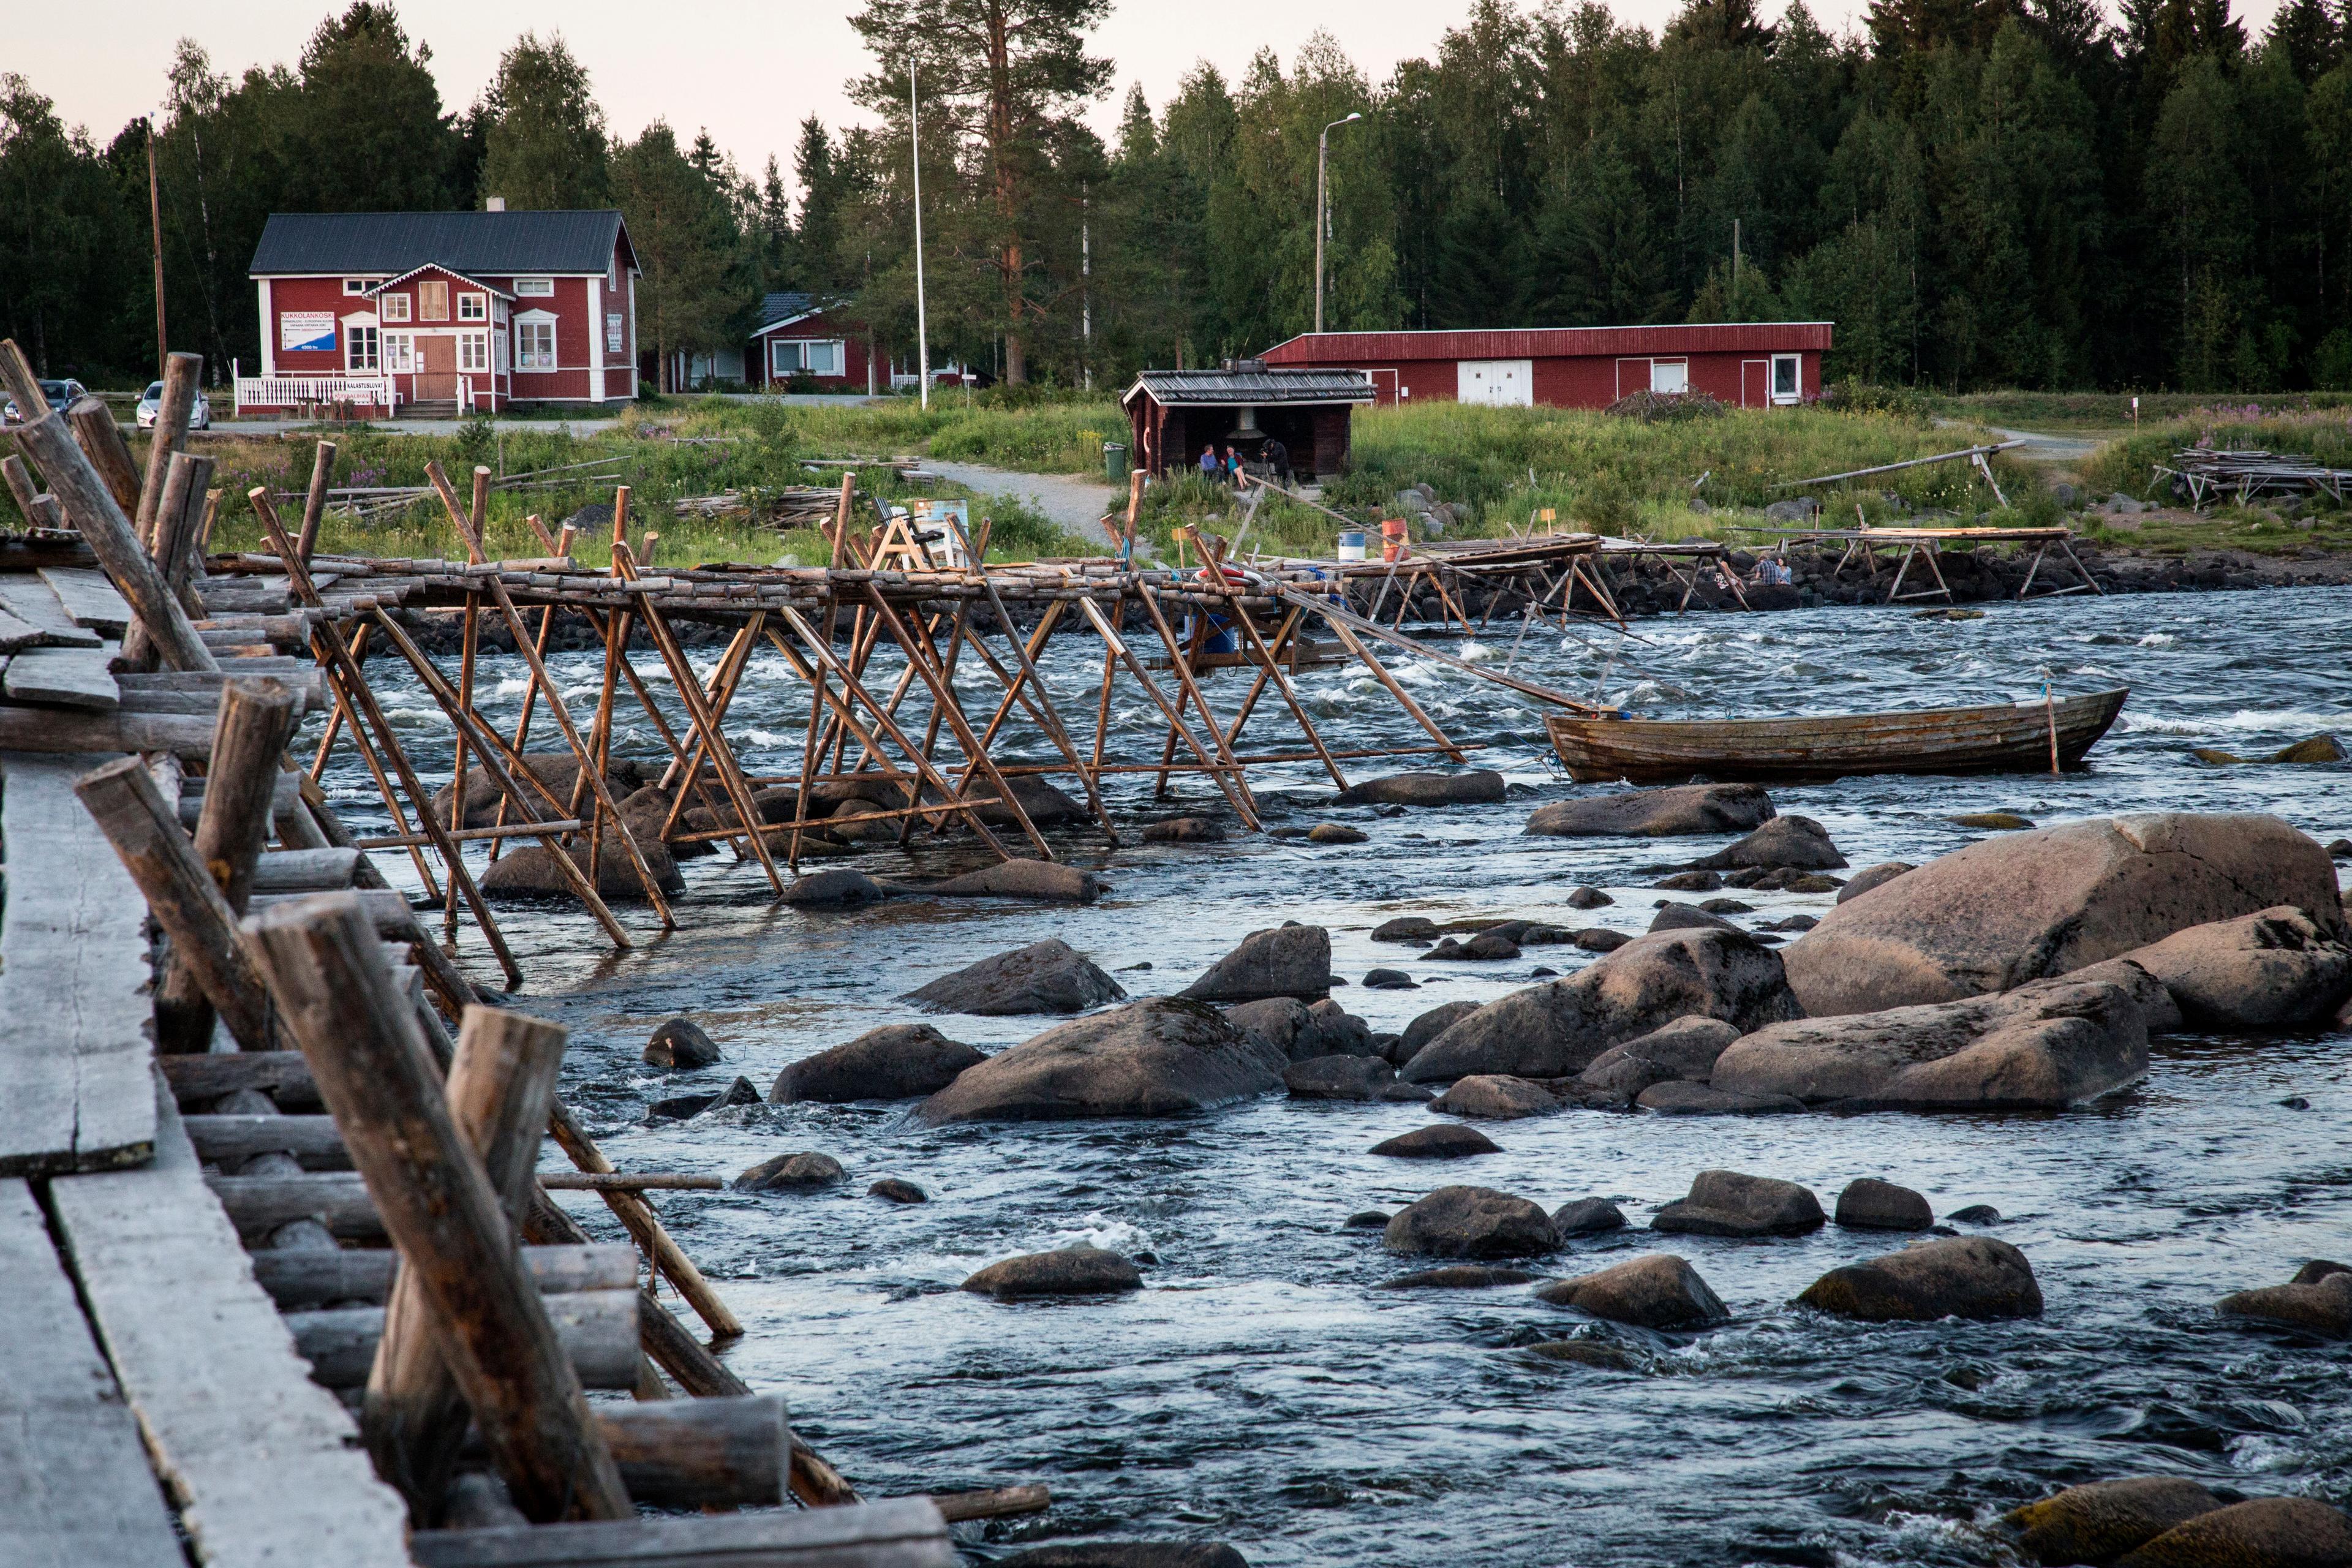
[
  {"x": 1276, "y": 1020},
  {"x": 556, "y": 769},
  {"x": 1045, "y": 804},
  {"x": 1486, "y": 947},
  {"x": 1964, "y": 1277},
  {"x": 835, "y": 886},
  {"x": 1687, "y": 917},
  {"x": 1600, "y": 939},
  {"x": 1588, "y": 1217},
  {"x": 529, "y": 871},
  {"x": 1367, "y": 1219},
  {"x": 1583, "y": 1353},
  {"x": 1066, "y": 1271},
  {"x": 1690, "y": 882},
  {"x": 646, "y": 811},
  {"x": 1870, "y": 877},
  {"x": 1975, "y": 1213},
  {"x": 891, "y": 1189},
  {"x": 1657, "y": 1290},
  {"x": 1795, "y": 841},
  {"x": 681, "y": 1043},
  {"x": 1588, "y": 898},
  {"x": 2274, "y": 970},
  {"x": 1406, "y": 928},
  {"x": 1390, "y": 980},
  {"x": 1679, "y": 1099},
  {"x": 896, "y": 1061},
  {"x": 1286, "y": 961},
  {"x": 2323, "y": 1304},
  {"x": 1438, "y": 1140},
  {"x": 1870, "y": 1204},
  {"x": 1337, "y": 1078},
  {"x": 1791, "y": 923},
  {"x": 1993, "y": 820},
  {"x": 2318, "y": 749},
  {"x": 1479, "y": 786},
  {"x": 1048, "y": 881},
  {"x": 1686, "y": 1048},
  {"x": 1330, "y": 1030},
  {"x": 682, "y": 1106},
  {"x": 1472, "y": 1222},
  {"x": 2051, "y": 1044},
  {"x": 1657, "y": 813},
  {"x": 1336, "y": 833},
  {"x": 790, "y": 1173},
  {"x": 1157, "y": 1057},
  {"x": 1557, "y": 1028},
  {"x": 1726, "y": 907},
  {"x": 1494, "y": 1097},
  {"x": 2101, "y": 1522},
  {"x": 1185, "y": 830},
  {"x": 1047, "y": 976},
  {"x": 2287, "y": 1531},
  {"x": 1128, "y": 1554},
  {"x": 2148, "y": 993},
  {"x": 2026, "y": 906},
  {"x": 1428, "y": 1026},
  {"x": 2340, "y": 849},
  {"x": 1725, "y": 1202},
  {"x": 1457, "y": 1277}
]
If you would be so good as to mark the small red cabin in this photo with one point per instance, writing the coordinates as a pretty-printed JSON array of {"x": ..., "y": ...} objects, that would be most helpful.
[
  {"x": 1747, "y": 364},
  {"x": 810, "y": 340},
  {"x": 442, "y": 312}
]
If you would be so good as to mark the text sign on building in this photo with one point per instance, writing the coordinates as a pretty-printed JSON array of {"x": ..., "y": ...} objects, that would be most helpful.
[{"x": 300, "y": 330}]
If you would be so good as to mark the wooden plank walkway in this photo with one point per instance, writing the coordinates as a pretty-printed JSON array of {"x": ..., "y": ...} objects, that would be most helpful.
[
  {"x": 266, "y": 1466},
  {"x": 29, "y": 599},
  {"x": 88, "y": 599},
  {"x": 75, "y": 1489},
  {"x": 76, "y": 676},
  {"x": 74, "y": 971}
]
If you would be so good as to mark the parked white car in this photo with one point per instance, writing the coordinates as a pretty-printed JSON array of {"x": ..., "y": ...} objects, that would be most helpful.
[{"x": 151, "y": 402}]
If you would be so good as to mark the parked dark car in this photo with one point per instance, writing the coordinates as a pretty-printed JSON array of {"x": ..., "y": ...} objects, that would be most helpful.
[{"x": 60, "y": 394}]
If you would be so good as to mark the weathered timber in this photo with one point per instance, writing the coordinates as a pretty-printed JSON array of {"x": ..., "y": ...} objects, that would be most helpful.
[
  {"x": 284, "y": 1076},
  {"x": 265, "y": 1465},
  {"x": 72, "y": 676},
  {"x": 73, "y": 732},
  {"x": 101, "y": 441},
  {"x": 314, "y": 503},
  {"x": 307, "y": 870},
  {"x": 361, "y": 1277},
  {"x": 74, "y": 1489},
  {"x": 27, "y": 598},
  {"x": 596, "y": 1328},
  {"x": 643, "y": 1181},
  {"x": 997, "y": 1502},
  {"x": 339, "y": 1200},
  {"x": 227, "y": 1140},
  {"x": 664, "y": 1338},
  {"x": 906, "y": 1533},
  {"x": 88, "y": 599},
  {"x": 183, "y": 379},
  {"x": 75, "y": 1021}
]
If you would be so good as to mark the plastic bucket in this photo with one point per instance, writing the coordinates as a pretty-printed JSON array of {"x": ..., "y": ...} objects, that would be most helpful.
[{"x": 1351, "y": 545}]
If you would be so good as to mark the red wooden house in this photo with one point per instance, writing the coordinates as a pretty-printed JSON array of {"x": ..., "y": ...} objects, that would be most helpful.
[
  {"x": 442, "y": 312},
  {"x": 1748, "y": 364},
  {"x": 812, "y": 340}
]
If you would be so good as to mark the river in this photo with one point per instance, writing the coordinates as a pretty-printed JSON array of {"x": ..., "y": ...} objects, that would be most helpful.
[{"x": 1262, "y": 1390}]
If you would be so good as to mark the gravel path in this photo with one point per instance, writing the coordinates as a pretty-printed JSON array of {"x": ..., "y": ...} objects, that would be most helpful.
[{"x": 1069, "y": 502}]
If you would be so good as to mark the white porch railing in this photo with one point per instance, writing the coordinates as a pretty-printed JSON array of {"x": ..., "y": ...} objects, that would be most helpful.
[{"x": 295, "y": 391}]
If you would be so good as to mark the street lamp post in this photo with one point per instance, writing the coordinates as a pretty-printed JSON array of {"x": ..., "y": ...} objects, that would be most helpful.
[
  {"x": 1322, "y": 163},
  {"x": 923, "y": 326}
]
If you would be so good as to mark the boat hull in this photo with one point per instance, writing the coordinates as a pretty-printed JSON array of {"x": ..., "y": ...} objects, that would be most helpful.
[{"x": 1999, "y": 739}]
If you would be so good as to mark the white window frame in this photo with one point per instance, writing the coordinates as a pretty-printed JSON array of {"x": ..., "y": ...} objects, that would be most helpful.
[
  {"x": 1675, "y": 374},
  {"x": 362, "y": 350},
  {"x": 473, "y": 306},
  {"x": 535, "y": 288},
  {"x": 1795, "y": 363},
  {"x": 392, "y": 307},
  {"x": 500, "y": 359},
  {"x": 497, "y": 312},
  {"x": 358, "y": 285},
  {"x": 400, "y": 352},
  {"x": 526, "y": 328},
  {"x": 474, "y": 353}
]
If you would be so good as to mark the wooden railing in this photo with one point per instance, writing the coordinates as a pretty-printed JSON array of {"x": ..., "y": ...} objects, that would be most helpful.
[{"x": 297, "y": 391}]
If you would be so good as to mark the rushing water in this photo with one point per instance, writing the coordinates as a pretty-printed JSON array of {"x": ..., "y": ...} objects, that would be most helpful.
[{"x": 1262, "y": 1391}]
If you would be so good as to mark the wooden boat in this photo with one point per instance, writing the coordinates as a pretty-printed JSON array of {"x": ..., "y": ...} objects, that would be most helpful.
[{"x": 2003, "y": 738}]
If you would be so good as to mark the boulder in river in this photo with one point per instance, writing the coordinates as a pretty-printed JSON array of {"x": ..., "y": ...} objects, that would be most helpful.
[
  {"x": 1557, "y": 1028},
  {"x": 1276, "y": 1020},
  {"x": 1960, "y": 1277},
  {"x": 2261, "y": 1532},
  {"x": 1330, "y": 1030},
  {"x": 1678, "y": 1097},
  {"x": 1472, "y": 1222},
  {"x": 1586, "y": 898},
  {"x": 838, "y": 888},
  {"x": 1685, "y": 1050},
  {"x": 1674, "y": 811},
  {"x": 1128, "y": 1554},
  {"x": 2100, "y": 1521},
  {"x": 1869, "y": 1203},
  {"x": 1476, "y": 787},
  {"x": 1657, "y": 1290},
  {"x": 1066, "y": 1271},
  {"x": 1336, "y": 833},
  {"x": 1870, "y": 877},
  {"x": 1337, "y": 1078},
  {"x": 1726, "y": 1203},
  {"x": 790, "y": 1173},
  {"x": 1600, "y": 939},
  {"x": 1157, "y": 1057},
  {"x": 1047, "y": 976},
  {"x": 1185, "y": 830},
  {"x": 529, "y": 871},
  {"x": 1285, "y": 961},
  {"x": 1458, "y": 1276},
  {"x": 685, "y": 1107},
  {"x": 2029, "y": 906},
  {"x": 2276, "y": 969},
  {"x": 1406, "y": 928},
  {"x": 1438, "y": 1140},
  {"x": 2319, "y": 1299},
  {"x": 1796, "y": 841},
  {"x": 897, "y": 1190},
  {"x": 1588, "y": 1217},
  {"x": 1495, "y": 1097},
  {"x": 681, "y": 1043},
  {"x": 2046, "y": 1046},
  {"x": 1687, "y": 917},
  {"x": 1390, "y": 980},
  {"x": 2317, "y": 749},
  {"x": 896, "y": 1061},
  {"x": 1048, "y": 881},
  {"x": 556, "y": 769},
  {"x": 1487, "y": 947},
  {"x": 1428, "y": 1026},
  {"x": 1690, "y": 882}
]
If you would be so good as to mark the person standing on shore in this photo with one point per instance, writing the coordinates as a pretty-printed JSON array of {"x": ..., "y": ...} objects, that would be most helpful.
[{"x": 1277, "y": 460}]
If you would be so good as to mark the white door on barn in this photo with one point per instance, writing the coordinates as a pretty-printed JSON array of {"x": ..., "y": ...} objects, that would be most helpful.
[{"x": 1500, "y": 383}]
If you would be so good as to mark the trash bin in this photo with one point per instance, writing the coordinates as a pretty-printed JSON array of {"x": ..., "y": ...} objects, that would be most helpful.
[{"x": 1114, "y": 462}]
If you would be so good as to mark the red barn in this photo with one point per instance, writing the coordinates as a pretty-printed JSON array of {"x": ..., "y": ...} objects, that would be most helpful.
[
  {"x": 1748, "y": 364},
  {"x": 806, "y": 338},
  {"x": 442, "y": 314}
]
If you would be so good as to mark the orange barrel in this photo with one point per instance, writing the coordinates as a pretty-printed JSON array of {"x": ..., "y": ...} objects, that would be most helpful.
[{"x": 1393, "y": 539}]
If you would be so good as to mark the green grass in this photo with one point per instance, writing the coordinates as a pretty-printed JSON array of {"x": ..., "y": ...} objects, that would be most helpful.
[
  {"x": 1046, "y": 437},
  {"x": 2106, "y": 414}
]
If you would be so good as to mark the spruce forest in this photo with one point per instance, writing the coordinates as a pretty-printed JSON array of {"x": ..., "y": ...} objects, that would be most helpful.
[{"x": 1979, "y": 193}]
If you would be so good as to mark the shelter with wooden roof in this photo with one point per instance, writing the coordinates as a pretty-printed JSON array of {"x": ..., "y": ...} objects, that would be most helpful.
[{"x": 1172, "y": 413}]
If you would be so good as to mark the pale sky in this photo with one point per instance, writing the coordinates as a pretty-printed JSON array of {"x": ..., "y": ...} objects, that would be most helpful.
[{"x": 747, "y": 71}]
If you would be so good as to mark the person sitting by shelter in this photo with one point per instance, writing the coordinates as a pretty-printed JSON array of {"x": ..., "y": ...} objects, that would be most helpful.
[
  {"x": 1210, "y": 468},
  {"x": 1236, "y": 473}
]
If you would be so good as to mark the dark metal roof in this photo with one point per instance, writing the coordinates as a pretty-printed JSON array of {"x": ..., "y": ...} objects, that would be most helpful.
[
  {"x": 477, "y": 244},
  {"x": 1251, "y": 387},
  {"x": 1553, "y": 342},
  {"x": 778, "y": 310}
]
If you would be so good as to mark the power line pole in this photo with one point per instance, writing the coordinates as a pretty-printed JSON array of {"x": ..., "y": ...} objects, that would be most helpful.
[
  {"x": 155, "y": 224},
  {"x": 1086, "y": 291},
  {"x": 922, "y": 323},
  {"x": 1735, "y": 267}
]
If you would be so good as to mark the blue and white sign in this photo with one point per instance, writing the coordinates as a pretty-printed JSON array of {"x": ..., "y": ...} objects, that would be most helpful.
[{"x": 299, "y": 329}]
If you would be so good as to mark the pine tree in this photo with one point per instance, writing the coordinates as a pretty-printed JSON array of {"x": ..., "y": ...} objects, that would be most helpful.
[
  {"x": 367, "y": 133},
  {"x": 695, "y": 280},
  {"x": 545, "y": 145},
  {"x": 1720, "y": 25},
  {"x": 823, "y": 188},
  {"x": 2307, "y": 36}
]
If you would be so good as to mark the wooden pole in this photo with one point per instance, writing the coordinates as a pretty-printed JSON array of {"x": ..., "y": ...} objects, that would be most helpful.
[
  {"x": 182, "y": 375},
  {"x": 257, "y": 719},
  {"x": 1119, "y": 648},
  {"x": 101, "y": 441},
  {"x": 501, "y": 1086},
  {"x": 155, "y": 233},
  {"x": 314, "y": 504},
  {"x": 437, "y": 1200},
  {"x": 19, "y": 479},
  {"x": 1193, "y": 690},
  {"x": 632, "y": 1210}
]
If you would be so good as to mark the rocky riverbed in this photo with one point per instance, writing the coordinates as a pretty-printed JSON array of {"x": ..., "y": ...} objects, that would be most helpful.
[{"x": 1258, "y": 1382}]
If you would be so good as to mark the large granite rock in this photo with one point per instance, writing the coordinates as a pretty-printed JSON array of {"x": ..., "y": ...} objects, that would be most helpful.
[
  {"x": 1428, "y": 1026},
  {"x": 529, "y": 871},
  {"x": 2318, "y": 1299},
  {"x": 1438, "y": 1140},
  {"x": 896, "y": 1061},
  {"x": 2277, "y": 969},
  {"x": 1684, "y": 1049},
  {"x": 1476, "y": 786},
  {"x": 2261, "y": 1532},
  {"x": 800, "y": 1172},
  {"x": 1869, "y": 1203},
  {"x": 1049, "y": 977},
  {"x": 1286, "y": 961},
  {"x": 2051, "y": 1044},
  {"x": 1337, "y": 1078},
  {"x": 1496, "y": 1098},
  {"x": 1870, "y": 877},
  {"x": 1157, "y": 1057},
  {"x": 1656, "y": 813},
  {"x": 1726, "y": 1203},
  {"x": 1067, "y": 1271},
  {"x": 2029, "y": 906},
  {"x": 2100, "y": 1521},
  {"x": 1962, "y": 1277},
  {"x": 1798, "y": 841},
  {"x": 557, "y": 770},
  {"x": 681, "y": 1043},
  {"x": 1657, "y": 1290},
  {"x": 1472, "y": 1222},
  {"x": 1557, "y": 1028},
  {"x": 1047, "y": 881}
]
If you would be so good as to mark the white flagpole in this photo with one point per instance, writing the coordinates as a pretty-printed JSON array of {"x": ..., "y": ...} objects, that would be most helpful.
[{"x": 922, "y": 325}]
